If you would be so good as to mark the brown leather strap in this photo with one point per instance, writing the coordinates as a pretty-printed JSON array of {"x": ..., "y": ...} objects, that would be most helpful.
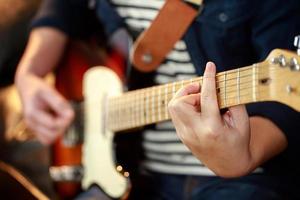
[{"x": 151, "y": 47}]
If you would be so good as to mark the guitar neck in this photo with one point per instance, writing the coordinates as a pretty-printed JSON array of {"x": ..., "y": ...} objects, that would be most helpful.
[{"x": 150, "y": 105}]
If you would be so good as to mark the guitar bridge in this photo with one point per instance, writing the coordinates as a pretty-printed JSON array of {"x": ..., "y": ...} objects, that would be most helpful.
[{"x": 66, "y": 173}]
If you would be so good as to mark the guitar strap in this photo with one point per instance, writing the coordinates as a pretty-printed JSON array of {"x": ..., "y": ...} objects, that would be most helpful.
[{"x": 172, "y": 21}]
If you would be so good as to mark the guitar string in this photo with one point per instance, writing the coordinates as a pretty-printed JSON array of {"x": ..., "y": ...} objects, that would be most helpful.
[
  {"x": 197, "y": 79},
  {"x": 157, "y": 105},
  {"x": 229, "y": 94},
  {"x": 228, "y": 98},
  {"x": 228, "y": 89},
  {"x": 218, "y": 75},
  {"x": 141, "y": 98},
  {"x": 149, "y": 115},
  {"x": 147, "y": 90}
]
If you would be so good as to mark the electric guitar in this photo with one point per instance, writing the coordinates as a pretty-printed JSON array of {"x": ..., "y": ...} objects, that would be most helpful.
[
  {"x": 107, "y": 110},
  {"x": 67, "y": 150}
]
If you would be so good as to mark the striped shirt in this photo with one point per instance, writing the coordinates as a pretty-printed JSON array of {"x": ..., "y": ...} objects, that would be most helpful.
[{"x": 163, "y": 150}]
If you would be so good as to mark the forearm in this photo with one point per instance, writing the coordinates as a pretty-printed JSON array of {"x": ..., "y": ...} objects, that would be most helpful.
[
  {"x": 46, "y": 112},
  {"x": 44, "y": 49},
  {"x": 267, "y": 140}
]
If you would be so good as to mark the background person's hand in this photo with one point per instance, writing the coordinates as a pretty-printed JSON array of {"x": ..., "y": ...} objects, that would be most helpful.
[{"x": 46, "y": 112}]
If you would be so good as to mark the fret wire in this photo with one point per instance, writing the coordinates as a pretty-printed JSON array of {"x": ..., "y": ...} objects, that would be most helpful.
[
  {"x": 119, "y": 114},
  {"x": 131, "y": 110},
  {"x": 129, "y": 115},
  {"x": 166, "y": 101},
  {"x": 173, "y": 89},
  {"x": 142, "y": 108},
  {"x": 253, "y": 77},
  {"x": 159, "y": 102},
  {"x": 238, "y": 85},
  {"x": 225, "y": 77},
  {"x": 126, "y": 110},
  {"x": 146, "y": 106},
  {"x": 191, "y": 80},
  {"x": 135, "y": 114},
  {"x": 153, "y": 102}
]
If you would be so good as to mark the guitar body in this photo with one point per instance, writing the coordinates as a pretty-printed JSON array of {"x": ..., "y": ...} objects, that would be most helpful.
[
  {"x": 100, "y": 84},
  {"x": 79, "y": 56},
  {"x": 66, "y": 153}
]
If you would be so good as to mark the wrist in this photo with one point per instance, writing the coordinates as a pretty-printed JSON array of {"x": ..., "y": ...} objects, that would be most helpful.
[{"x": 230, "y": 165}]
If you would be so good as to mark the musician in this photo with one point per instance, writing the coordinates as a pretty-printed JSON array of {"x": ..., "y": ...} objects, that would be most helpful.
[{"x": 254, "y": 154}]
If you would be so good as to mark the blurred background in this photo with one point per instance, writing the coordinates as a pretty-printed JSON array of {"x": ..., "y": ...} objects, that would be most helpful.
[{"x": 20, "y": 157}]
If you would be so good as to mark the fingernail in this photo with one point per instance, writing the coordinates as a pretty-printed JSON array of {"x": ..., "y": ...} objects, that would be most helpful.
[{"x": 210, "y": 66}]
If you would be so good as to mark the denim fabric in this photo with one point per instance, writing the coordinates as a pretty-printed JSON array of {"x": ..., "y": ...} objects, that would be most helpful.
[
  {"x": 181, "y": 187},
  {"x": 236, "y": 33},
  {"x": 93, "y": 193},
  {"x": 158, "y": 186},
  {"x": 235, "y": 191}
]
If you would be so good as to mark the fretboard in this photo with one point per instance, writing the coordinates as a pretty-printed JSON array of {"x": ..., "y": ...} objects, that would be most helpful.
[{"x": 150, "y": 105}]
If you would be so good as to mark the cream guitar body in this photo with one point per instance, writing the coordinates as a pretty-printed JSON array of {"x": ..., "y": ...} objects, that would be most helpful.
[{"x": 100, "y": 84}]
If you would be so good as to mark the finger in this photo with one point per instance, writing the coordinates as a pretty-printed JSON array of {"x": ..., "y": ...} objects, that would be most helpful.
[
  {"x": 186, "y": 105},
  {"x": 44, "y": 135},
  {"x": 188, "y": 89},
  {"x": 44, "y": 139},
  {"x": 46, "y": 119},
  {"x": 239, "y": 117},
  {"x": 58, "y": 104},
  {"x": 54, "y": 128},
  {"x": 192, "y": 100},
  {"x": 40, "y": 115},
  {"x": 184, "y": 113},
  {"x": 209, "y": 102}
]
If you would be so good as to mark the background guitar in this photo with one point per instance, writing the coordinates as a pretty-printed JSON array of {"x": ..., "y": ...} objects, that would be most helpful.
[
  {"x": 66, "y": 151},
  {"x": 65, "y": 155}
]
